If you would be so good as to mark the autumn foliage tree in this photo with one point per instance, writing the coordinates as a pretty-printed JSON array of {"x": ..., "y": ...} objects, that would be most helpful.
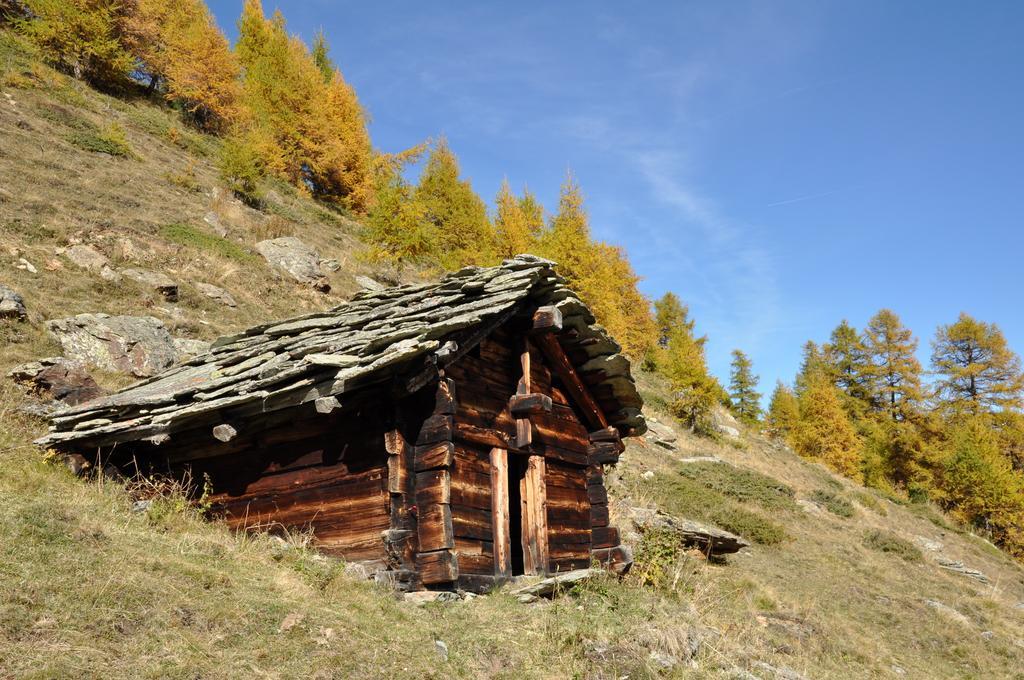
[
  {"x": 893, "y": 372},
  {"x": 977, "y": 369},
  {"x": 825, "y": 432},
  {"x": 187, "y": 57},
  {"x": 84, "y": 37}
]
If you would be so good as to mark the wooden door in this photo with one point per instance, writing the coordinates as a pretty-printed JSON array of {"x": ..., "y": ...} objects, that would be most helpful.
[{"x": 519, "y": 514}]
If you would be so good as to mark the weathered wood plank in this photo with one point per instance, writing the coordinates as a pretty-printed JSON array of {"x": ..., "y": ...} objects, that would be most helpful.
[
  {"x": 535, "y": 523},
  {"x": 433, "y": 486},
  {"x": 500, "y": 512},
  {"x": 599, "y": 515},
  {"x": 523, "y": 405},
  {"x": 524, "y": 430},
  {"x": 435, "y": 429},
  {"x": 597, "y": 495},
  {"x": 605, "y": 537}
]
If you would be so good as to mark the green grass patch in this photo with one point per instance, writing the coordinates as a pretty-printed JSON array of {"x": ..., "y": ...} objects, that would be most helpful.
[
  {"x": 73, "y": 120},
  {"x": 687, "y": 495},
  {"x": 834, "y": 503},
  {"x": 193, "y": 237},
  {"x": 871, "y": 502},
  {"x": 746, "y": 486},
  {"x": 886, "y": 542},
  {"x": 110, "y": 140}
]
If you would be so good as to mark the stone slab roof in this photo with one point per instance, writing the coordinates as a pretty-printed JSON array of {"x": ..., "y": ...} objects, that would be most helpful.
[{"x": 392, "y": 334}]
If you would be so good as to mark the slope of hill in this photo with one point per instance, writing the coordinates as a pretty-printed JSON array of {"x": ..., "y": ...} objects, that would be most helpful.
[{"x": 839, "y": 582}]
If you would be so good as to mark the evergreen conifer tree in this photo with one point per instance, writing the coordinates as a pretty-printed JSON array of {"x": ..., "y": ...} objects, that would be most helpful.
[
  {"x": 743, "y": 389},
  {"x": 847, "y": 361}
]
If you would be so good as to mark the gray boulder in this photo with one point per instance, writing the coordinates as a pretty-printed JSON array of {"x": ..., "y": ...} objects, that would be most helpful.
[
  {"x": 140, "y": 345},
  {"x": 216, "y": 294},
  {"x": 295, "y": 258},
  {"x": 724, "y": 423},
  {"x": 57, "y": 378},
  {"x": 157, "y": 281},
  {"x": 12, "y": 305},
  {"x": 87, "y": 257},
  {"x": 366, "y": 283}
]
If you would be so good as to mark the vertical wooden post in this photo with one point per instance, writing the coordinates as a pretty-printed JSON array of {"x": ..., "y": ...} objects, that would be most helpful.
[
  {"x": 500, "y": 513},
  {"x": 535, "y": 517},
  {"x": 524, "y": 432}
]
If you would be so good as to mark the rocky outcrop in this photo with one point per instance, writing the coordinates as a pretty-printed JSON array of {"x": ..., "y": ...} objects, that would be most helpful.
[
  {"x": 708, "y": 539},
  {"x": 295, "y": 258},
  {"x": 57, "y": 378},
  {"x": 140, "y": 345},
  {"x": 161, "y": 283},
  {"x": 216, "y": 294},
  {"x": 661, "y": 435},
  {"x": 724, "y": 423},
  {"x": 12, "y": 305}
]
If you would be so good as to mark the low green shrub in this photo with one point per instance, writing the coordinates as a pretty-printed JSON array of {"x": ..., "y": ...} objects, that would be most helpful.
[
  {"x": 834, "y": 503},
  {"x": 192, "y": 237},
  {"x": 744, "y": 485},
  {"x": 883, "y": 541},
  {"x": 110, "y": 140},
  {"x": 750, "y": 525}
]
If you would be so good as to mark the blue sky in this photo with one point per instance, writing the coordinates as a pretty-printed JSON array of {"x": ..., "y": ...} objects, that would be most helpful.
[{"x": 781, "y": 166}]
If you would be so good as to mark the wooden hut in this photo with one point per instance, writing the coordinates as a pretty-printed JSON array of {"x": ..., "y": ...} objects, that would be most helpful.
[{"x": 452, "y": 433}]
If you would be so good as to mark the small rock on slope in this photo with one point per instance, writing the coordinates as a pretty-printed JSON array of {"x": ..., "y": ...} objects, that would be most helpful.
[
  {"x": 216, "y": 294},
  {"x": 58, "y": 378},
  {"x": 157, "y": 281},
  {"x": 12, "y": 305},
  {"x": 296, "y": 258}
]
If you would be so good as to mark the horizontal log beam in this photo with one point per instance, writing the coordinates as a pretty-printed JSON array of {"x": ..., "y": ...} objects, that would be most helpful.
[
  {"x": 547, "y": 320},
  {"x": 522, "y": 405}
]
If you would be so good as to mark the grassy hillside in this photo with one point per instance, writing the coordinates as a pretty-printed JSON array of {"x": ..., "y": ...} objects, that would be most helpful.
[{"x": 839, "y": 582}]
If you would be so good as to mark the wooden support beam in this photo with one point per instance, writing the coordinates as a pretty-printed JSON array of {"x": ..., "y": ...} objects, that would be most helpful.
[
  {"x": 563, "y": 368},
  {"x": 524, "y": 431},
  {"x": 434, "y": 527},
  {"x": 430, "y": 456},
  {"x": 608, "y": 434},
  {"x": 435, "y": 429},
  {"x": 438, "y": 566},
  {"x": 547, "y": 320},
  {"x": 433, "y": 486},
  {"x": 533, "y": 492},
  {"x": 522, "y": 405},
  {"x": 444, "y": 402},
  {"x": 500, "y": 513},
  {"x": 224, "y": 432},
  {"x": 603, "y": 453}
]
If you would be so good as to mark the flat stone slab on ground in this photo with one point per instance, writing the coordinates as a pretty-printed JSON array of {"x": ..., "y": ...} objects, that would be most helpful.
[{"x": 549, "y": 586}]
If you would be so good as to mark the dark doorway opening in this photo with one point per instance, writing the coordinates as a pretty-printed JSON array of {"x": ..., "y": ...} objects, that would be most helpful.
[{"x": 516, "y": 473}]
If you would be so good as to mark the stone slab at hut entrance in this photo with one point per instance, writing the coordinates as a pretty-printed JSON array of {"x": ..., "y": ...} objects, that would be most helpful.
[{"x": 448, "y": 434}]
